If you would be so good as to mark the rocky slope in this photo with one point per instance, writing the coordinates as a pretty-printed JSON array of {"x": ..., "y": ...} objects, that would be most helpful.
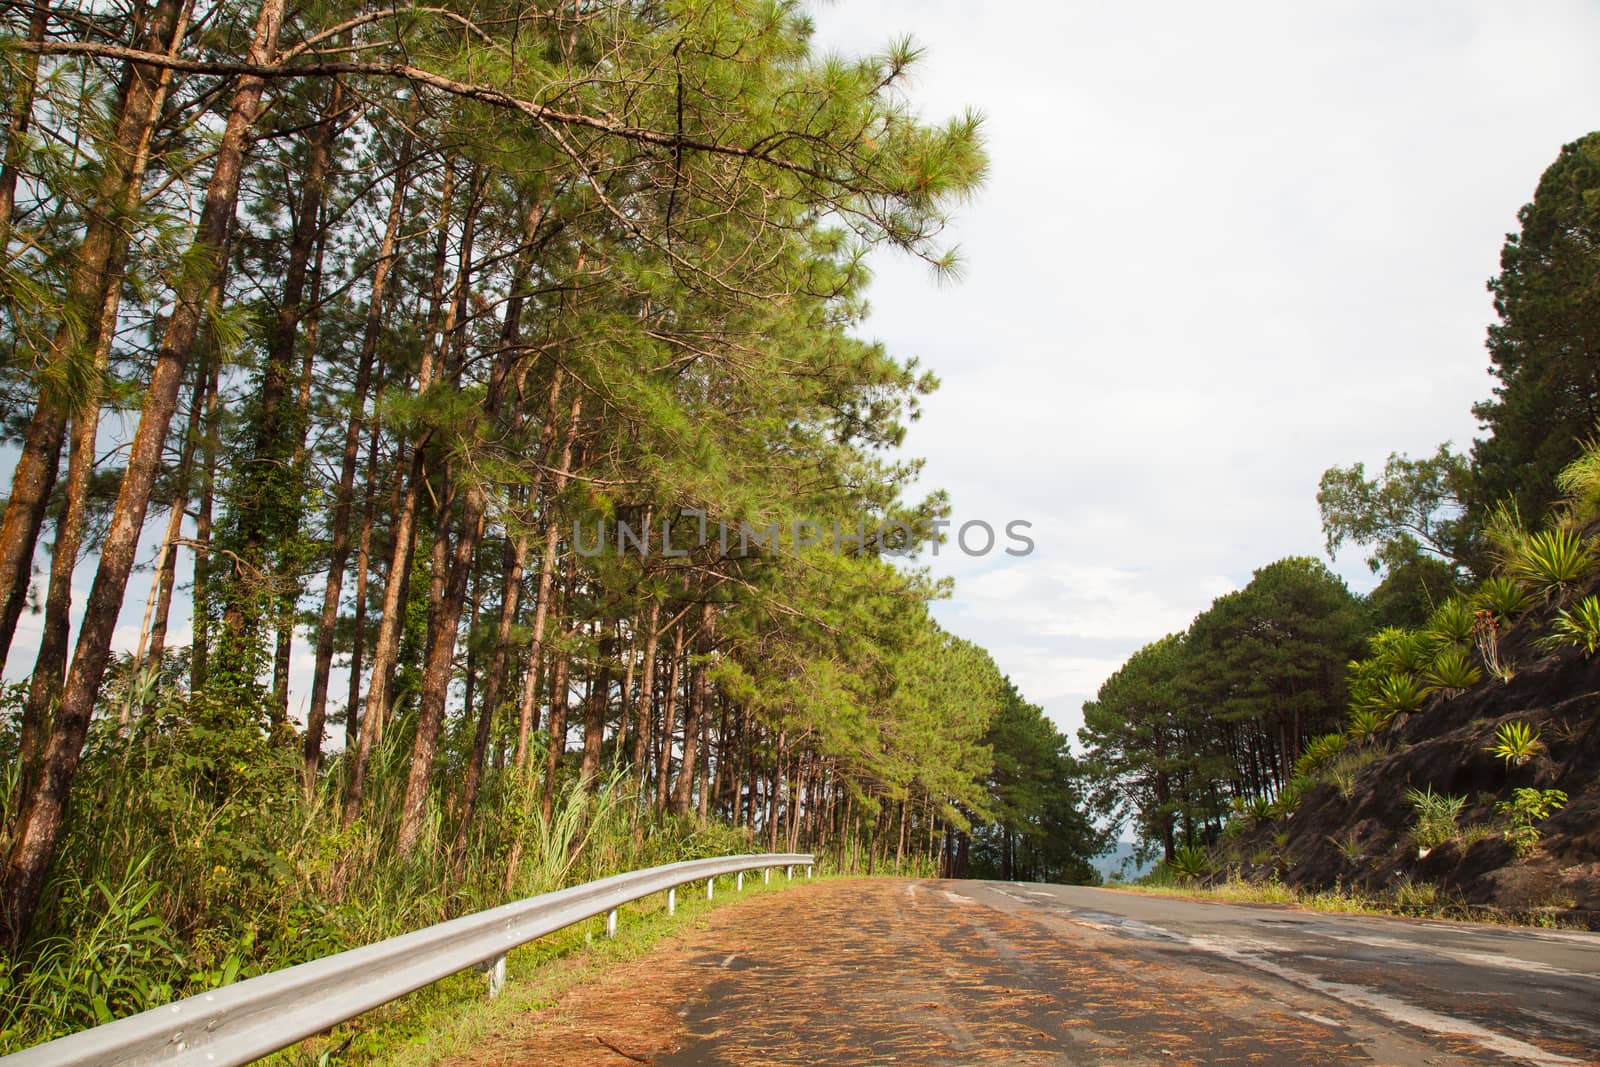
[{"x": 1362, "y": 839}]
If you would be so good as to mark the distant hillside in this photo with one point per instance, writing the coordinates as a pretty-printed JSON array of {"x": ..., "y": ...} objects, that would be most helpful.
[{"x": 1120, "y": 862}]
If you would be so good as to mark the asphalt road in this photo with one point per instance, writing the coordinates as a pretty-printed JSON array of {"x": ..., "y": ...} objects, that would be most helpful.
[{"x": 880, "y": 971}]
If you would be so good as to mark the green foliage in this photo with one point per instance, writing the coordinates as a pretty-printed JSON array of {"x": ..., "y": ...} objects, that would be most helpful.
[
  {"x": 1503, "y": 596},
  {"x": 1552, "y": 561},
  {"x": 1292, "y": 793},
  {"x": 1190, "y": 863},
  {"x": 1541, "y": 351},
  {"x": 1412, "y": 505},
  {"x": 1366, "y": 725},
  {"x": 1451, "y": 623},
  {"x": 1413, "y": 583},
  {"x": 1451, "y": 673},
  {"x": 1318, "y": 752},
  {"x": 1344, "y": 769},
  {"x": 1436, "y": 816},
  {"x": 1579, "y": 625},
  {"x": 1579, "y": 483},
  {"x": 1516, "y": 743},
  {"x": 1525, "y": 808},
  {"x": 1036, "y": 827},
  {"x": 1398, "y": 694}
]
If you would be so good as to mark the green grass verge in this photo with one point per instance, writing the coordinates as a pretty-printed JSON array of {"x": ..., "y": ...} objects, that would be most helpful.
[
  {"x": 1420, "y": 900},
  {"x": 455, "y": 1014}
]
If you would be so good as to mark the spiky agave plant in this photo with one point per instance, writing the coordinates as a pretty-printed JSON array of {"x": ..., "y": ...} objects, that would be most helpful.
[
  {"x": 1516, "y": 743},
  {"x": 1190, "y": 863},
  {"x": 1451, "y": 623},
  {"x": 1552, "y": 561},
  {"x": 1502, "y": 596},
  {"x": 1398, "y": 694},
  {"x": 1366, "y": 725},
  {"x": 1579, "y": 625},
  {"x": 1451, "y": 673},
  {"x": 1318, "y": 751}
]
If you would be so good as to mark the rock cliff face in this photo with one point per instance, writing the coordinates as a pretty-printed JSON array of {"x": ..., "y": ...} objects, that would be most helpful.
[{"x": 1362, "y": 838}]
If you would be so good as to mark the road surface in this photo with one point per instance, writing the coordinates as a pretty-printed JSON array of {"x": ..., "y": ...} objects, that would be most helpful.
[{"x": 942, "y": 972}]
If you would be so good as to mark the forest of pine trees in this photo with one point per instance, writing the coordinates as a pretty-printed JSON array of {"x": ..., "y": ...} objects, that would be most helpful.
[{"x": 330, "y": 331}]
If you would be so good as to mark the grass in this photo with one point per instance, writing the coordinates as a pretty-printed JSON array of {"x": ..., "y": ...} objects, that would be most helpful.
[
  {"x": 1411, "y": 900},
  {"x": 435, "y": 1023}
]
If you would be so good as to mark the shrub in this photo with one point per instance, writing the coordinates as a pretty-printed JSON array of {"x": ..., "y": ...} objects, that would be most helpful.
[
  {"x": 1343, "y": 770},
  {"x": 1579, "y": 482},
  {"x": 1190, "y": 863},
  {"x": 1398, "y": 694},
  {"x": 1397, "y": 651},
  {"x": 1318, "y": 751},
  {"x": 1293, "y": 791},
  {"x": 1436, "y": 816},
  {"x": 1505, "y": 533},
  {"x": 1502, "y": 596},
  {"x": 1526, "y": 807},
  {"x": 1451, "y": 623},
  {"x": 1366, "y": 724},
  {"x": 1579, "y": 625},
  {"x": 1516, "y": 743},
  {"x": 1552, "y": 561},
  {"x": 1451, "y": 673}
]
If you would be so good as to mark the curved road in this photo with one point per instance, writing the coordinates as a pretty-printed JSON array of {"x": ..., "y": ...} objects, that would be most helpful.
[{"x": 877, "y": 971}]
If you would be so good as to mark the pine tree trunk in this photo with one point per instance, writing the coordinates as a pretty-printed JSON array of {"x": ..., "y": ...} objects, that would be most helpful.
[
  {"x": 669, "y": 714},
  {"x": 117, "y": 190},
  {"x": 558, "y": 733},
  {"x": 684, "y": 788},
  {"x": 403, "y": 532},
  {"x": 547, "y": 568},
  {"x": 339, "y": 533},
  {"x": 39, "y": 827}
]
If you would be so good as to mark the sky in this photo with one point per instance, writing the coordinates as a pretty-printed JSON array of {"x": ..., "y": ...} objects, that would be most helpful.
[{"x": 1221, "y": 249}]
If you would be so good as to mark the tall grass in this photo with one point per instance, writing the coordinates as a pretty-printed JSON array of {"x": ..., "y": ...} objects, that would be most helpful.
[{"x": 193, "y": 857}]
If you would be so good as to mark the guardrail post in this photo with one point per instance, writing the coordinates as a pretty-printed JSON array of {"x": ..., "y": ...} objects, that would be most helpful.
[
  {"x": 766, "y": 875},
  {"x": 808, "y": 870},
  {"x": 738, "y": 882},
  {"x": 672, "y": 900},
  {"x": 709, "y": 883},
  {"x": 611, "y": 923},
  {"x": 496, "y": 970},
  {"x": 788, "y": 872}
]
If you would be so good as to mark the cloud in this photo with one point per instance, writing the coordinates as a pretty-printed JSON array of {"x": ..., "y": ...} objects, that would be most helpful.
[{"x": 1220, "y": 250}]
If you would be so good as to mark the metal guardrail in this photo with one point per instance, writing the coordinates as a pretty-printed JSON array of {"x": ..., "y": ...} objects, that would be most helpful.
[{"x": 247, "y": 1020}]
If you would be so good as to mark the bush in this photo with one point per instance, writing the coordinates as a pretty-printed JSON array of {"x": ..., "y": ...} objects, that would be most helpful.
[
  {"x": 1398, "y": 694},
  {"x": 1525, "y": 808},
  {"x": 1516, "y": 743},
  {"x": 1451, "y": 673},
  {"x": 1451, "y": 623},
  {"x": 1579, "y": 625},
  {"x": 1366, "y": 725},
  {"x": 1318, "y": 751},
  {"x": 1190, "y": 863},
  {"x": 1436, "y": 816},
  {"x": 1552, "y": 561},
  {"x": 1502, "y": 596},
  {"x": 1292, "y": 793}
]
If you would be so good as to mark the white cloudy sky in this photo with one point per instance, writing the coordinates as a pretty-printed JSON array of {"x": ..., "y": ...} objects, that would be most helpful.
[{"x": 1222, "y": 247}]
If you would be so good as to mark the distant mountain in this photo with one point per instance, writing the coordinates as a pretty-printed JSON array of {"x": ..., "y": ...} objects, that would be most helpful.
[{"x": 1120, "y": 861}]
